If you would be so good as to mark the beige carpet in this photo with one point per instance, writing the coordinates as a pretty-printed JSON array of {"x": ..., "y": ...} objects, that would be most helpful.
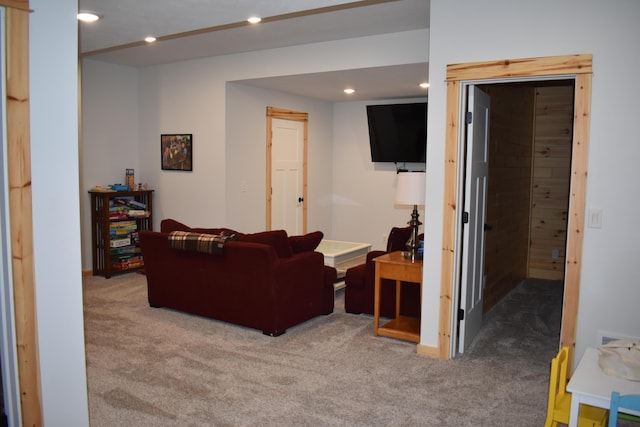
[{"x": 157, "y": 367}]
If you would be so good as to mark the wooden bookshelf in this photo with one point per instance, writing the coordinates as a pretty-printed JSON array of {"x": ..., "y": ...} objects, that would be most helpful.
[{"x": 113, "y": 254}]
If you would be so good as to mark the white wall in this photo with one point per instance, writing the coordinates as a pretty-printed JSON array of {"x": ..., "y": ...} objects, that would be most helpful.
[
  {"x": 363, "y": 191},
  {"x": 56, "y": 212},
  {"x": 190, "y": 97},
  {"x": 246, "y": 156},
  {"x": 109, "y": 142},
  {"x": 466, "y": 31}
]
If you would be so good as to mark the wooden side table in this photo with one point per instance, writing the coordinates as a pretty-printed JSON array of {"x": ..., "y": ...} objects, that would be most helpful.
[{"x": 395, "y": 266}]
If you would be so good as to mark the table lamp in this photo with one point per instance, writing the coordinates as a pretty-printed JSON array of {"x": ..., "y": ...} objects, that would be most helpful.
[{"x": 411, "y": 191}]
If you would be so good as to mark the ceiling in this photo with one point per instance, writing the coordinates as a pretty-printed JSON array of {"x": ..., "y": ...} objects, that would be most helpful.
[{"x": 188, "y": 29}]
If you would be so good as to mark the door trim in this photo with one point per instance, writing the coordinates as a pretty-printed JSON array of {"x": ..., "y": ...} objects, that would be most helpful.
[
  {"x": 580, "y": 68},
  {"x": 18, "y": 148},
  {"x": 280, "y": 113}
]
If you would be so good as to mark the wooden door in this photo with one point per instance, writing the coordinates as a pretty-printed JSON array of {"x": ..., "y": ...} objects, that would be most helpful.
[
  {"x": 286, "y": 170},
  {"x": 286, "y": 176}
]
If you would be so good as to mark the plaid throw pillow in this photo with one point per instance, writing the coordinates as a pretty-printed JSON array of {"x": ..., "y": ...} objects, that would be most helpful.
[{"x": 199, "y": 242}]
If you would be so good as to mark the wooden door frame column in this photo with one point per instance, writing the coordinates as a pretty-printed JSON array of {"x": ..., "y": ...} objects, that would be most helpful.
[
  {"x": 577, "y": 67},
  {"x": 20, "y": 208}
]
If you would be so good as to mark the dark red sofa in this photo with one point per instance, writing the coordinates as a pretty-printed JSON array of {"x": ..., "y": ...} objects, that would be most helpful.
[
  {"x": 360, "y": 284},
  {"x": 267, "y": 281}
]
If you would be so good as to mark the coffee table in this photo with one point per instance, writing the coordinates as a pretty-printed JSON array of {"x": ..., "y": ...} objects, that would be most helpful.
[{"x": 343, "y": 255}]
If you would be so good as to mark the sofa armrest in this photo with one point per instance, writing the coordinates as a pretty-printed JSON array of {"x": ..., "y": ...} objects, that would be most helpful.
[
  {"x": 354, "y": 277},
  {"x": 374, "y": 254},
  {"x": 330, "y": 276},
  {"x": 302, "y": 281}
]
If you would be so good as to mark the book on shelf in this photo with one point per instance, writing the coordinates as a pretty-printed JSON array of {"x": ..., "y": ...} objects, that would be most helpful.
[
  {"x": 125, "y": 257},
  {"x": 138, "y": 213},
  {"x": 128, "y": 223},
  {"x": 127, "y": 263},
  {"x": 119, "y": 232},
  {"x": 136, "y": 204},
  {"x": 118, "y": 216},
  {"x": 103, "y": 188},
  {"x": 129, "y": 203},
  {"x": 116, "y": 243},
  {"x": 123, "y": 266},
  {"x": 125, "y": 251}
]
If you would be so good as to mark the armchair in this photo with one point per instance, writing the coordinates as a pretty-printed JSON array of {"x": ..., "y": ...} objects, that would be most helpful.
[{"x": 360, "y": 284}]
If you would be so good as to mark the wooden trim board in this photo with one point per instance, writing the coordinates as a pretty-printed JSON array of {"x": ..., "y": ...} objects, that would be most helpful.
[{"x": 20, "y": 208}]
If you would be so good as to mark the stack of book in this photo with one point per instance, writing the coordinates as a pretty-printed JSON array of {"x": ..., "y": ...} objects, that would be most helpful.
[
  {"x": 123, "y": 208},
  {"x": 125, "y": 252}
]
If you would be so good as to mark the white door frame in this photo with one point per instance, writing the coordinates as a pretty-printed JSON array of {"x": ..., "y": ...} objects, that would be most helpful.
[{"x": 279, "y": 113}]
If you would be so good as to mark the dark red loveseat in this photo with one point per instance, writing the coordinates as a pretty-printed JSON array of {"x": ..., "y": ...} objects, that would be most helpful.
[{"x": 267, "y": 281}]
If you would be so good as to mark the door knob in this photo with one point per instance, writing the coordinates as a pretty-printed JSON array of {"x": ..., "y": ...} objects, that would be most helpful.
[{"x": 300, "y": 199}]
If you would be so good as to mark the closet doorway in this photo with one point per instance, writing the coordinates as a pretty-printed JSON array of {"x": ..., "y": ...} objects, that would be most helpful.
[
  {"x": 576, "y": 67},
  {"x": 529, "y": 165}
]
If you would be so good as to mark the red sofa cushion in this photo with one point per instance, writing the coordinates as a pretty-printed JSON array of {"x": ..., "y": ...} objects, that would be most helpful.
[
  {"x": 305, "y": 243},
  {"x": 276, "y": 238}
]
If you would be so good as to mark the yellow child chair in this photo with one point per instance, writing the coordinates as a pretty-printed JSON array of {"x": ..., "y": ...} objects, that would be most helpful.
[{"x": 559, "y": 404}]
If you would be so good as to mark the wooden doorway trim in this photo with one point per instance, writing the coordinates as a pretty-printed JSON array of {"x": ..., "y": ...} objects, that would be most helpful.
[
  {"x": 580, "y": 68},
  {"x": 20, "y": 209},
  {"x": 279, "y": 113}
]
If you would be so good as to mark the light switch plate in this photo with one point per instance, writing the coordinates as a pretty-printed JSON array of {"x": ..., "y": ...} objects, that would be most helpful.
[{"x": 595, "y": 218}]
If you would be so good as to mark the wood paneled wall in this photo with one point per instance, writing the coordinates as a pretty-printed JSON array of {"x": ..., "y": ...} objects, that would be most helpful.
[
  {"x": 529, "y": 175},
  {"x": 551, "y": 179},
  {"x": 509, "y": 188}
]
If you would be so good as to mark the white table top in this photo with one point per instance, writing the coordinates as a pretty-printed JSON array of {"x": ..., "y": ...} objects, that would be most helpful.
[
  {"x": 590, "y": 385},
  {"x": 337, "y": 247}
]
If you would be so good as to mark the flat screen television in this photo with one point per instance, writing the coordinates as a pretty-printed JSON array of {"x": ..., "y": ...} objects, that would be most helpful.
[{"x": 398, "y": 132}]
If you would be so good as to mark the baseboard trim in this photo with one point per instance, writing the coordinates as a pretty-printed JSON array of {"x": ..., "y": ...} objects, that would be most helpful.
[{"x": 429, "y": 351}]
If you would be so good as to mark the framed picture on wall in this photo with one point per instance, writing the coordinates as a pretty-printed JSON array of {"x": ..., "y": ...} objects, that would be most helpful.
[{"x": 176, "y": 151}]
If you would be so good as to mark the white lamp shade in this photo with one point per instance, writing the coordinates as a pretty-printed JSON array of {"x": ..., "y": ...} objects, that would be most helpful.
[{"x": 411, "y": 188}]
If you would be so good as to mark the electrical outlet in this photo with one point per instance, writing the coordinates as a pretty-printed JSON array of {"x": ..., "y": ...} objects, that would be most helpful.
[
  {"x": 243, "y": 186},
  {"x": 384, "y": 239},
  {"x": 555, "y": 254}
]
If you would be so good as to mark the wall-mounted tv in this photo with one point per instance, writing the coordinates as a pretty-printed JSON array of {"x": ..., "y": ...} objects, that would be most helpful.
[{"x": 398, "y": 132}]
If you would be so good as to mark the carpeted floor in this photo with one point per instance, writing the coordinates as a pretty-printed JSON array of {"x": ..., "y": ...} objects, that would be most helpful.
[{"x": 157, "y": 367}]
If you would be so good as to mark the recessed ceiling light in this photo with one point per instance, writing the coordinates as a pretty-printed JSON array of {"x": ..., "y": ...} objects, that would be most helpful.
[
  {"x": 424, "y": 85},
  {"x": 86, "y": 16},
  {"x": 254, "y": 19},
  {"x": 349, "y": 91},
  {"x": 150, "y": 39}
]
